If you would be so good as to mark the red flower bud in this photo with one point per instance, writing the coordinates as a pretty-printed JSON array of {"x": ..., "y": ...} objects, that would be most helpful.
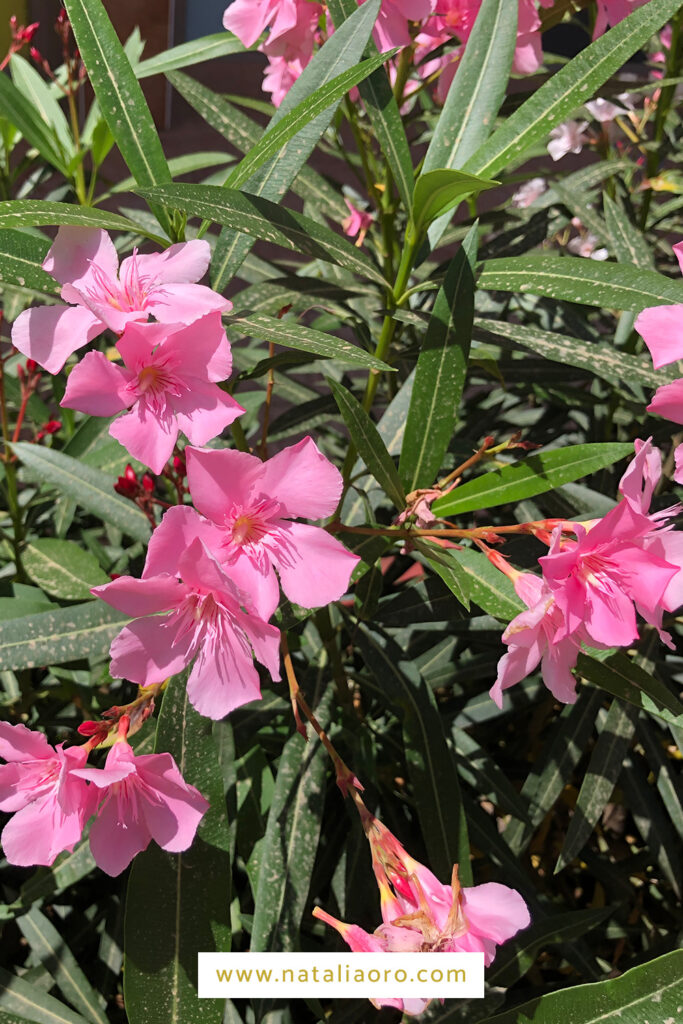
[
  {"x": 51, "y": 427},
  {"x": 148, "y": 483},
  {"x": 179, "y": 466},
  {"x": 31, "y": 365},
  {"x": 125, "y": 487},
  {"x": 129, "y": 474}
]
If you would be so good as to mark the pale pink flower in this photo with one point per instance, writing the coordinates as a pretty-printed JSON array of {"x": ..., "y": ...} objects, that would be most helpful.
[
  {"x": 393, "y": 23},
  {"x": 39, "y": 783},
  {"x": 420, "y": 914},
  {"x": 86, "y": 264},
  {"x": 249, "y": 19},
  {"x": 141, "y": 797},
  {"x": 528, "y": 193},
  {"x": 587, "y": 245},
  {"x": 532, "y": 640},
  {"x": 568, "y": 137},
  {"x": 662, "y": 331},
  {"x": 604, "y": 111},
  {"x": 168, "y": 381},
  {"x": 205, "y": 621},
  {"x": 253, "y": 503},
  {"x": 357, "y": 223},
  {"x": 528, "y": 51},
  {"x": 280, "y": 75},
  {"x": 611, "y": 12}
]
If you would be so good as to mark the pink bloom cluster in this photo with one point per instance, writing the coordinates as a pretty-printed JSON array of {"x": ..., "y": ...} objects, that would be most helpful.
[
  {"x": 662, "y": 331},
  {"x": 135, "y": 798},
  {"x": 629, "y": 562},
  {"x": 421, "y": 914},
  {"x": 212, "y": 575},
  {"x": 294, "y": 26}
]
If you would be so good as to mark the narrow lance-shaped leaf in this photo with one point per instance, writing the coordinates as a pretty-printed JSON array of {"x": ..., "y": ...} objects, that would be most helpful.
[
  {"x": 590, "y": 282},
  {"x": 534, "y": 475},
  {"x": 62, "y": 568},
  {"x": 119, "y": 95},
  {"x": 383, "y": 111},
  {"x": 89, "y": 487},
  {"x": 30, "y": 1003},
  {"x": 20, "y": 111},
  {"x": 21, "y": 259},
  {"x": 340, "y": 52},
  {"x": 569, "y": 88},
  {"x": 260, "y": 218},
  {"x": 196, "y": 51},
  {"x": 440, "y": 372},
  {"x": 369, "y": 444},
  {"x": 476, "y": 93},
  {"x": 628, "y": 244},
  {"x": 24, "y": 213},
  {"x": 51, "y": 638},
  {"x": 623, "y": 678},
  {"x": 437, "y": 192},
  {"x": 601, "y": 777},
  {"x": 179, "y": 904}
]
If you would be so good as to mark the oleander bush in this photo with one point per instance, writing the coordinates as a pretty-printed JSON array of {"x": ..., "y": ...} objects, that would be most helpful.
[{"x": 340, "y": 474}]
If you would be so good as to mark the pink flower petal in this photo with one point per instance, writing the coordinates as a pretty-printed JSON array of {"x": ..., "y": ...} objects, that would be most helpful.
[
  {"x": 148, "y": 437},
  {"x": 314, "y": 567},
  {"x": 201, "y": 348},
  {"x": 223, "y": 678},
  {"x": 142, "y": 597},
  {"x": 180, "y": 263},
  {"x": 303, "y": 481},
  {"x": 184, "y": 303},
  {"x": 144, "y": 651},
  {"x": 115, "y": 841},
  {"x": 98, "y": 387},
  {"x": 174, "y": 817},
  {"x": 49, "y": 334},
  {"x": 39, "y": 832},
  {"x": 73, "y": 253},
  {"x": 138, "y": 342},
  {"x": 668, "y": 400},
  {"x": 179, "y": 526},
  {"x": 204, "y": 411},
  {"x": 17, "y": 743},
  {"x": 495, "y": 911},
  {"x": 662, "y": 331},
  {"x": 218, "y": 480}
]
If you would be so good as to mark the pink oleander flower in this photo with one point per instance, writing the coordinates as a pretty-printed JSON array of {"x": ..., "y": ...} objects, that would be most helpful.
[
  {"x": 207, "y": 619},
  {"x": 280, "y": 75},
  {"x": 662, "y": 330},
  {"x": 420, "y": 914},
  {"x": 586, "y": 244},
  {"x": 253, "y": 503},
  {"x": 531, "y": 638},
  {"x": 568, "y": 137},
  {"x": 528, "y": 193},
  {"x": 86, "y": 264},
  {"x": 357, "y": 223},
  {"x": 393, "y": 23},
  {"x": 604, "y": 111},
  {"x": 141, "y": 797},
  {"x": 168, "y": 381},
  {"x": 629, "y": 561},
  {"x": 611, "y": 12},
  {"x": 40, "y": 784}
]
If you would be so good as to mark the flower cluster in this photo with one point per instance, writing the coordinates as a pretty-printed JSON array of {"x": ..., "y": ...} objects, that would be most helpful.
[
  {"x": 594, "y": 583},
  {"x": 293, "y": 27},
  {"x": 134, "y": 798},
  {"x": 421, "y": 914}
]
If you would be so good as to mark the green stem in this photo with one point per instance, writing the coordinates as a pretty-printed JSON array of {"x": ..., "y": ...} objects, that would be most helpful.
[
  {"x": 674, "y": 62},
  {"x": 79, "y": 183}
]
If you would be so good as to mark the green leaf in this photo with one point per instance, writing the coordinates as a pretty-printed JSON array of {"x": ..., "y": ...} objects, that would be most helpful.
[
  {"x": 603, "y": 360},
  {"x": 623, "y": 678},
  {"x": 534, "y": 475},
  {"x": 196, "y": 51},
  {"x": 452, "y": 574},
  {"x": 554, "y": 767},
  {"x": 305, "y": 339},
  {"x": 649, "y": 994},
  {"x": 488, "y": 587},
  {"x": 31, "y": 1003},
  {"x": 179, "y": 904},
  {"x": 440, "y": 372},
  {"x": 267, "y": 221},
  {"x": 274, "y": 140},
  {"x": 430, "y": 760},
  {"x": 54, "y": 954},
  {"x": 290, "y": 845},
  {"x": 44, "y": 102},
  {"x": 20, "y": 111},
  {"x": 243, "y": 133},
  {"x": 62, "y": 568},
  {"x": 23, "y": 213},
  {"x": 119, "y": 95},
  {"x": 88, "y": 487},
  {"x": 341, "y": 51},
  {"x": 600, "y": 779},
  {"x": 381, "y": 106},
  {"x": 481, "y": 77},
  {"x": 50, "y": 638},
  {"x": 629, "y": 245},
  {"x": 569, "y": 88},
  {"x": 590, "y": 282},
  {"x": 369, "y": 444},
  {"x": 21, "y": 258},
  {"x": 437, "y": 192}
]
